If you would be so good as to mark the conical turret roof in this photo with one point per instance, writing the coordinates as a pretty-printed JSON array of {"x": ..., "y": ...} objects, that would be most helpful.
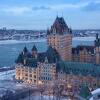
[{"x": 34, "y": 48}]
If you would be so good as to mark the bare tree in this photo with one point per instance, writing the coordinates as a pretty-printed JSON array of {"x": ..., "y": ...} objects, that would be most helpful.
[{"x": 41, "y": 89}]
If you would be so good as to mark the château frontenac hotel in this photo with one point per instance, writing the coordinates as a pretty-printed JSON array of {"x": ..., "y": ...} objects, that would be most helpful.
[{"x": 61, "y": 62}]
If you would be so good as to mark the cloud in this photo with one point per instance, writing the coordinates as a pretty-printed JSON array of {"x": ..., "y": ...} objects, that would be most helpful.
[
  {"x": 82, "y": 6},
  {"x": 41, "y": 8},
  {"x": 15, "y": 10},
  {"x": 22, "y": 10},
  {"x": 68, "y": 6},
  {"x": 92, "y": 6}
]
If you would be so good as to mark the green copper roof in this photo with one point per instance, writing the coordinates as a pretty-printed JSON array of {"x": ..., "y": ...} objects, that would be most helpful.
[
  {"x": 78, "y": 68},
  {"x": 31, "y": 62}
]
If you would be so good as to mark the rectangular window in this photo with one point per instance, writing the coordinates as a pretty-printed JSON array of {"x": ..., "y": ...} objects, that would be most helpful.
[
  {"x": 34, "y": 76},
  {"x": 30, "y": 75},
  {"x": 26, "y": 74},
  {"x": 34, "y": 81}
]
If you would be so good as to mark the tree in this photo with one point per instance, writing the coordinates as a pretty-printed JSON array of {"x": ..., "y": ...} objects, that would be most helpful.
[
  {"x": 41, "y": 89},
  {"x": 8, "y": 95},
  {"x": 84, "y": 91}
]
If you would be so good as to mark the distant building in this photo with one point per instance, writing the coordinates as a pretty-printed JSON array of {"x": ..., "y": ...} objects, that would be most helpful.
[
  {"x": 90, "y": 54},
  {"x": 4, "y": 28}
]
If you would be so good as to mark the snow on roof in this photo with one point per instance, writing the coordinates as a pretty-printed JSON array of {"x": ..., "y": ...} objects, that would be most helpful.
[{"x": 96, "y": 91}]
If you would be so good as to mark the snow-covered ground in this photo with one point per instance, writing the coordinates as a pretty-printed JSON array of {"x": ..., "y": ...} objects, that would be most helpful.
[
  {"x": 95, "y": 93},
  {"x": 7, "y": 82},
  {"x": 7, "y": 75}
]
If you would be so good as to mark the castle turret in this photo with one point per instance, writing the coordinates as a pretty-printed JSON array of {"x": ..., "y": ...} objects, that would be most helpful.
[
  {"x": 34, "y": 51},
  {"x": 25, "y": 51},
  {"x": 60, "y": 38}
]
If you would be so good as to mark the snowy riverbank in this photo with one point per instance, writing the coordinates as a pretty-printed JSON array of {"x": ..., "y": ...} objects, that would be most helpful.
[
  {"x": 84, "y": 38},
  {"x": 44, "y": 40},
  {"x": 22, "y": 41},
  {"x": 3, "y": 69}
]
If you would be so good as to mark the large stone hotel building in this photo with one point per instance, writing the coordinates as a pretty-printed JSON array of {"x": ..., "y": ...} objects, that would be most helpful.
[{"x": 61, "y": 62}]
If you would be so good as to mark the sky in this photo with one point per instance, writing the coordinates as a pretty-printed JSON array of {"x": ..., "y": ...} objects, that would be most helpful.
[{"x": 40, "y": 14}]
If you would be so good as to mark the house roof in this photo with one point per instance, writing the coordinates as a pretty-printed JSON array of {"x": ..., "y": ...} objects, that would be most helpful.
[
  {"x": 78, "y": 68},
  {"x": 51, "y": 54},
  {"x": 59, "y": 27},
  {"x": 31, "y": 62}
]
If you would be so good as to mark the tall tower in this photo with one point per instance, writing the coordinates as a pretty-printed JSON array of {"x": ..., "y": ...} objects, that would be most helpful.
[
  {"x": 97, "y": 50},
  {"x": 60, "y": 38}
]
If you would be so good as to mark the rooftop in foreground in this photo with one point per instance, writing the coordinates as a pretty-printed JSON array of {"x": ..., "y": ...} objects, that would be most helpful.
[{"x": 79, "y": 68}]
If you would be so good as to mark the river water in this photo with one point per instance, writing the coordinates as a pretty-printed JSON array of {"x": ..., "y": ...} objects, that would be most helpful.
[{"x": 10, "y": 50}]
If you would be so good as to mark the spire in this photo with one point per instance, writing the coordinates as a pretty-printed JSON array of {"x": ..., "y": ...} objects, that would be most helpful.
[
  {"x": 57, "y": 14},
  {"x": 25, "y": 50},
  {"x": 34, "y": 48}
]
